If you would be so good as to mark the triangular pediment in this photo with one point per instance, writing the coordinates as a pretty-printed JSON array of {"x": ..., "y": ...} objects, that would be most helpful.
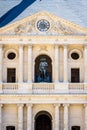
[{"x": 43, "y": 23}]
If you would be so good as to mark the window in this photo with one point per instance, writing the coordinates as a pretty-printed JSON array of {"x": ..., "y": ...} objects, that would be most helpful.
[
  {"x": 74, "y": 75},
  {"x": 75, "y": 56},
  {"x": 11, "y": 75},
  {"x": 75, "y": 128},
  {"x": 10, "y": 128},
  {"x": 11, "y": 56}
]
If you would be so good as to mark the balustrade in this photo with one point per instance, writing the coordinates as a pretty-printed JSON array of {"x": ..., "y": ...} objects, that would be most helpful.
[
  {"x": 43, "y": 88},
  {"x": 9, "y": 87}
]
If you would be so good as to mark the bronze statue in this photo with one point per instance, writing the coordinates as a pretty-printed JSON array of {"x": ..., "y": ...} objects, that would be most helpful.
[{"x": 43, "y": 66}]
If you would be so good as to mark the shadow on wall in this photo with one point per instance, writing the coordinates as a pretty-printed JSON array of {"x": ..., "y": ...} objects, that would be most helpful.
[{"x": 14, "y": 12}]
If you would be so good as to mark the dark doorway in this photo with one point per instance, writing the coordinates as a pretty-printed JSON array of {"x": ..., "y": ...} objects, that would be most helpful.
[
  {"x": 43, "y": 69},
  {"x": 10, "y": 128},
  {"x": 75, "y": 75},
  {"x": 11, "y": 75},
  {"x": 43, "y": 121},
  {"x": 75, "y": 128}
]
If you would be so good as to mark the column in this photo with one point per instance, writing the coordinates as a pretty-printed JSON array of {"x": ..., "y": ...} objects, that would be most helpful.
[
  {"x": 66, "y": 120},
  {"x": 85, "y": 116},
  {"x": 1, "y": 116},
  {"x": 56, "y": 63},
  {"x": 29, "y": 117},
  {"x": 85, "y": 63},
  {"x": 1, "y": 58},
  {"x": 29, "y": 63},
  {"x": 57, "y": 116},
  {"x": 20, "y": 116},
  {"x": 65, "y": 64},
  {"x": 20, "y": 64}
]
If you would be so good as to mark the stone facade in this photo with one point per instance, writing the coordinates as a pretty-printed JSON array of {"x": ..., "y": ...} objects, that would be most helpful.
[{"x": 23, "y": 100}]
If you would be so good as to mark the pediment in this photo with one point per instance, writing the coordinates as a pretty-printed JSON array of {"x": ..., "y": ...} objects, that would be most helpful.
[{"x": 51, "y": 25}]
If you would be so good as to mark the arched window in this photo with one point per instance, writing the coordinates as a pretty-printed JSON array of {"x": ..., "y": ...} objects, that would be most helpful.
[
  {"x": 43, "y": 69},
  {"x": 10, "y": 128}
]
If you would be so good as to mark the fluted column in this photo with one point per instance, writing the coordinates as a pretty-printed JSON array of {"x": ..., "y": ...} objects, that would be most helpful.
[
  {"x": 66, "y": 120},
  {"x": 29, "y": 63},
  {"x": 65, "y": 64},
  {"x": 29, "y": 117},
  {"x": 20, "y": 64},
  {"x": 1, "y": 58},
  {"x": 85, "y": 116},
  {"x": 56, "y": 63},
  {"x": 57, "y": 116},
  {"x": 1, "y": 116},
  {"x": 85, "y": 63},
  {"x": 20, "y": 116}
]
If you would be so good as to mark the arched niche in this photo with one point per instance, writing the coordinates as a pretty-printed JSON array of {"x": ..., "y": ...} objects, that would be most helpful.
[
  {"x": 43, "y": 121},
  {"x": 43, "y": 69}
]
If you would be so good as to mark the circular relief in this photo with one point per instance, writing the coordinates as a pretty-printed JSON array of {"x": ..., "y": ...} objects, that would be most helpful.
[
  {"x": 11, "y": 55},
  {"x": 75, "y": 56},
  {"x": 43, "y": 25}
]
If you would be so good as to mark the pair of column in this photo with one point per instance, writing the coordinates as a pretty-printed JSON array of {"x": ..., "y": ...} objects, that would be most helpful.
[
  {"x": 66, "y": 121},
  {"x": 65, "y": 78},
  {"x": 21, "y": 63},
  {"x": 20, "y": 116}
]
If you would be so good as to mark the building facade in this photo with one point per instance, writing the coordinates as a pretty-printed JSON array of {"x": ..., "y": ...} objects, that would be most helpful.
[{"x": 43, "y": 74}]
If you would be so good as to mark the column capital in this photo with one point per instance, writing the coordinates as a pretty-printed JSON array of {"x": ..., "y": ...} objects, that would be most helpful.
[
  {"x": 1, "y": 45},
  {"x": 85, "y": 105},
  {"x": 29, "y": 105},
  {"x": 65, "y": 45},
  {"x": 30, "y": 46},
  {"x": 66, "y": 105},
  {"x": 21, "y": 45},
  {"x": 57, "y": 105},
  {"x": 56, "y": 46},
  {"x": 1, "y": 105},
  {"x": 85, "y": 46},
  {"x": 20, "y": 105}
]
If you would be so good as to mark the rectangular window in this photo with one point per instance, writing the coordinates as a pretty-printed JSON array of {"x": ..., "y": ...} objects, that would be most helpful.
[
  {"x": 11, "y": 75},
  {"x": 75, "y": 75},
  {"x": 10, "y": 128}
]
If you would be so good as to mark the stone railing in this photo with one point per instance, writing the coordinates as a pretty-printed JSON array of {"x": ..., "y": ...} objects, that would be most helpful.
[
  {"x": 9, "y": 87},
  {"x": 43, "y": 88},
  {"x": 76, "y": 88}
]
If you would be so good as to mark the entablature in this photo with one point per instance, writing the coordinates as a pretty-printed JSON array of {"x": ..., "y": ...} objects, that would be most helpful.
[{"x": 35, "y": 40}]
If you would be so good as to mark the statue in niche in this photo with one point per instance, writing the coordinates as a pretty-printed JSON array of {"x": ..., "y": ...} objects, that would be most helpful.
[
  {"x": 43, "y": 68},
  {"x": 43, "y": 71}
]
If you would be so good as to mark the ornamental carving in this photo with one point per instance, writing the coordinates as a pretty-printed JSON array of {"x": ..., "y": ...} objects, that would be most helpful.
[
  {"x": 25, "y": 28},
  {"x": 48, "y": 25}
]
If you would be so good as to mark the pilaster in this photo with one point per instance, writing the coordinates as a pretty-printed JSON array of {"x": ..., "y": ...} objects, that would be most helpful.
[
  {"x": 66, "y": 114},
  {"x": 65, "y": 64},
  {"x": 29, "y": 117},
  {"x": 85, "y": 63},
  {"x": 1, "y": 116},
  {"x": 29, "y": 63},
  {"x": 20, "y": 63},
  {"x": 56, "y": 63},
  {"x": 57, "y": 116},
  {"x": 85, "y": 105},
  {"x": 1, "y": 59},
  {"x": 20, "y": 116}
]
